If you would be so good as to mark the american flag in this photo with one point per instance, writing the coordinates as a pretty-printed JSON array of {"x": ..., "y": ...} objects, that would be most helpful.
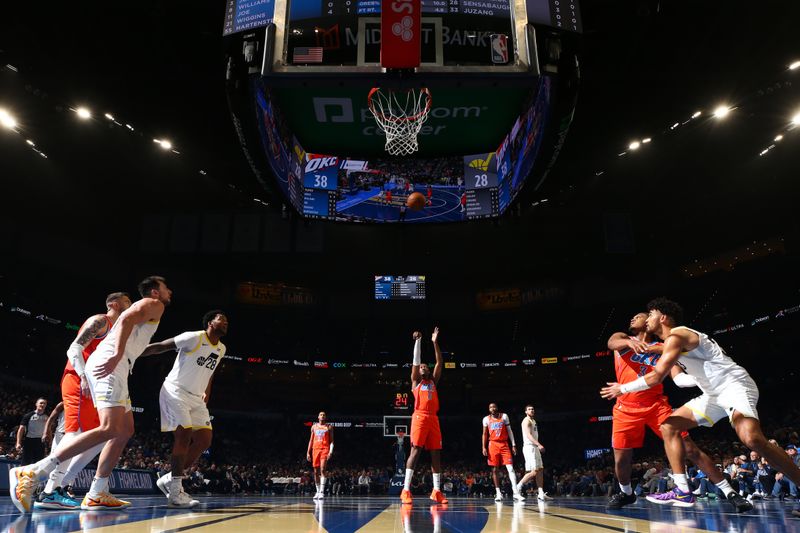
[{"x": 307, "y": 54}]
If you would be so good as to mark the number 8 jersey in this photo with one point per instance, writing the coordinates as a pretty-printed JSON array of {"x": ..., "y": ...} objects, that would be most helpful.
[{"x": 196, "y": 361}]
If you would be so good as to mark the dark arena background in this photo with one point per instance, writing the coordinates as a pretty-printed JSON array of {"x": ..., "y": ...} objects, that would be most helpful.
[{"x": 579, "y": 159}]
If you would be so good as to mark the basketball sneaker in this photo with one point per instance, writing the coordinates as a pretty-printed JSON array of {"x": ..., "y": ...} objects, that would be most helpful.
[
  {"x": 181, "y": 501},
  {"x": 438, "y": 496},
  {"x": 676, "y": 497},
  {"x": 741, "y": 504},
  {"x": 103, "y": 502},
  {"x": 620, "y": 500},
  {"x": 518, "y": 497},
  {"x": 163, "y": 483},
  {"x": 543, "y": 497},
  {"x": 21, "y": 483},
  {"x": 498, "y": 497},
  {"x": 405, "y": 497},
  {"x": 318, "y": 496},
  {"x": 58, "y": 499}
]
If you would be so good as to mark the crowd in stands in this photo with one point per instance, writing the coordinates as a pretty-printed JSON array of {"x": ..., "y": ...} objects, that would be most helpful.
[{"x": 235, "y": 462}]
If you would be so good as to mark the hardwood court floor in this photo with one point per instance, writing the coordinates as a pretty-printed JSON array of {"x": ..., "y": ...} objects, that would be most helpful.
[{"x": 381, "y": 514}]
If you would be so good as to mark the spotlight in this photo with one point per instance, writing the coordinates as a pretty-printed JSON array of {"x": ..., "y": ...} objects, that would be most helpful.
[
  {"x": 795, "y": 65},
  {"x": 778, "y": 138},
  {"x": 796, "y": 119},
  {"x": 721, "y": 111},
  {"x": 165, "y": 144},
  {"x": 696, "y": 114},
  {"x": 30, "y": 142},
  {"x": 646, "y": 140},
  {"x": 83, "y": 113},
  {"x": 6, "y": 120},
  {"x": 634, "y": 145},
  {"x": 109, "y": 116}
]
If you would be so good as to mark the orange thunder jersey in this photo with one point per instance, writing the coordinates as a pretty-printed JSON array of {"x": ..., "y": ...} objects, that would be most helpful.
[
  {"x": 497, "y": 428},
  {"x": 90, "y": 347},
  {"x": 426, "y": 397},
  {"x": 322, "y": 436},
  {"x": 630, "y": 366}
]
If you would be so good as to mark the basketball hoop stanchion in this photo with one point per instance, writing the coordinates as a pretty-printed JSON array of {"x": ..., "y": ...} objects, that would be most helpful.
[
  {"x": 400, "y": 453},
  {"x": 400, "y": 115}
]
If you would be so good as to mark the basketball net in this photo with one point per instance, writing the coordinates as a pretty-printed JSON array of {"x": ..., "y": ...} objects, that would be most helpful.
[{"x": 400, "y": 116}]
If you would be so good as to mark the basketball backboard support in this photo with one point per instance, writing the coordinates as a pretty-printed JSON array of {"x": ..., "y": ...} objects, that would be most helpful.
[{"x": 344, "y": 36}]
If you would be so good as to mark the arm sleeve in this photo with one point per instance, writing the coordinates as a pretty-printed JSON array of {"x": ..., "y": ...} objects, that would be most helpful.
[
  {"x": 187, "y": 342},
  {"x": 684, "y": 380},
  {"x": 507, "y": 422},
  {"x": 486, "y": 421},
  {"x": 75, "y": 357},
  {"x": 417, "y": 352}
]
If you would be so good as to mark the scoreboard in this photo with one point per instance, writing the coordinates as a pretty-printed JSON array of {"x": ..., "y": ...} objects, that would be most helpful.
[{"x": 399, "y": 287}]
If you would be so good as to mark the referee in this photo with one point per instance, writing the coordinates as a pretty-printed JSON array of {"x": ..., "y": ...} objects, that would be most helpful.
[{"x": 30, "y": 433}]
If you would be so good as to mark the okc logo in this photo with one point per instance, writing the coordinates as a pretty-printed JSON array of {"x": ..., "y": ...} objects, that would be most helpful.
[{"x": 402, "y": 29}]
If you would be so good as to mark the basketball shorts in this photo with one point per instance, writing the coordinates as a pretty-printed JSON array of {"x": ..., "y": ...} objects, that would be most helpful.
[
  {"x": 112, "y": 390},
  {"x": 180, "y": 408},
  {"x": 499, "y": 454},
  {"x": 318, "y": 456},
  {"x": 533, "y": 458},
  {"x": 80, "y": 413},
  {"x": 425, "y": 431},
  {"x": 629, "y": 422},
  {"x": 740, "y": 396}
]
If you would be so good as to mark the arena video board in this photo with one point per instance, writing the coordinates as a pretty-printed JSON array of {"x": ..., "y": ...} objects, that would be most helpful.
[
  {"x": 399, "y": 287},
  {"x": 454, "y": 188}
]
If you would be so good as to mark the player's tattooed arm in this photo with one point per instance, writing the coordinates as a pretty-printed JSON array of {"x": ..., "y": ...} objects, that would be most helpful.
[{"x": 90, "y": 330}]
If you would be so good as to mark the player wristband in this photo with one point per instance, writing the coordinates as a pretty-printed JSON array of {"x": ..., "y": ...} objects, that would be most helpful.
[
  {"x": 634, "y": 386},
  {"x": 417, "y": 352},
  {"x": 684, "y": 380}
]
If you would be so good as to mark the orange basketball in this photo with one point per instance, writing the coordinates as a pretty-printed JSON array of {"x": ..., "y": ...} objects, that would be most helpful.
[{"x": 416, "y": 201}]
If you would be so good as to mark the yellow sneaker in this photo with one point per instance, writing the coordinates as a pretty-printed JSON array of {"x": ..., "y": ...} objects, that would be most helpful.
[
  {"x": 104, "y": 501},
  {"x": 22, "y": 483}
]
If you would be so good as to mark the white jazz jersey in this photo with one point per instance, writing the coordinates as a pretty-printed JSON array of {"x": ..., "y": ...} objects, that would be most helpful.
[
  {"x": 711, "y": 366},
  {"x": 534, "y": 431},
  {"x": 137, "y": 341},
  {"x": 196, "y": 361}
]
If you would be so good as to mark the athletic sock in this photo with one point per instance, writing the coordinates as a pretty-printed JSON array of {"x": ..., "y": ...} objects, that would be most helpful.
[
  {"x": 681, "y": 482},
  {"x": 725, "y": 487},
  {"x": 45, "y": 466},
  {"x": 78, "y": 462},
  {"x": 409, "y": 475},
  {"x": 317, "y": 485},
  {"x": 437, "y": 480},
  {"x": 513, "y": 478},
  {"x": 321, "y": 489},
  {"x": 175, "y": 485},
  {"x": 99, "y": 485},
  {"x": 499, "y": 492},
  {"x": 627, "y": 489},
  {"x": 541, "y": 491}
]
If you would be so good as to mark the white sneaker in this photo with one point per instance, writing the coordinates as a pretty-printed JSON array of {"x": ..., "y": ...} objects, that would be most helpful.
[
  {"x": 519, "y": 497},
  {"x": 696, "y": 491},
  {"x": 498, "y": 498},
  {"x": 163, "y": 483},
  {"x": 181, "y": 500},
  {"x": 544, "y": 497},
  {"x": 317, "y": 496}
]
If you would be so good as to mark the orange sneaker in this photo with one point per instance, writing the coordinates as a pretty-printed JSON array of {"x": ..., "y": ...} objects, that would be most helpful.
[
  {"x": 438, "y": 496},
  {"x": 22, "y": 485},
  {"x": 405, "y": 497},
  {"x": 102, "y": 502}
]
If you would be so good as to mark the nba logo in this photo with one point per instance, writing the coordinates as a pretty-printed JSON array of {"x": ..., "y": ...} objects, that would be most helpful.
[{"x": 499, "y": 48}]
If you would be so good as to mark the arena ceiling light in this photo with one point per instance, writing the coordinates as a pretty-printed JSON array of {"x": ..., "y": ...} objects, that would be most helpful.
[
  {"x": 634, "y": 145},
  {"x": 795, "y": 65},
  {"x": 7, "y": 120},
  {"x": 165, "y": 144},
  {"x": 721, "y": 111},
  {"x": 646, "y": 140},
  {"x": 83, "y": 113},
  {"x": 696, "y": 114},
  {"x": 109, "y": 116},
  {"x": 778, "y": 137},
  {"x": 796, "y": 119}
]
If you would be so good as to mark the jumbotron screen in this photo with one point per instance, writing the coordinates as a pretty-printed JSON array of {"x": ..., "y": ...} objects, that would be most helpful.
[{"x": 399, "y": 287}]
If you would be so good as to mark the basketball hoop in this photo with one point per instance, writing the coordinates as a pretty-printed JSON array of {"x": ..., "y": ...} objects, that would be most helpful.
[{"x": 400, "y": 115}]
